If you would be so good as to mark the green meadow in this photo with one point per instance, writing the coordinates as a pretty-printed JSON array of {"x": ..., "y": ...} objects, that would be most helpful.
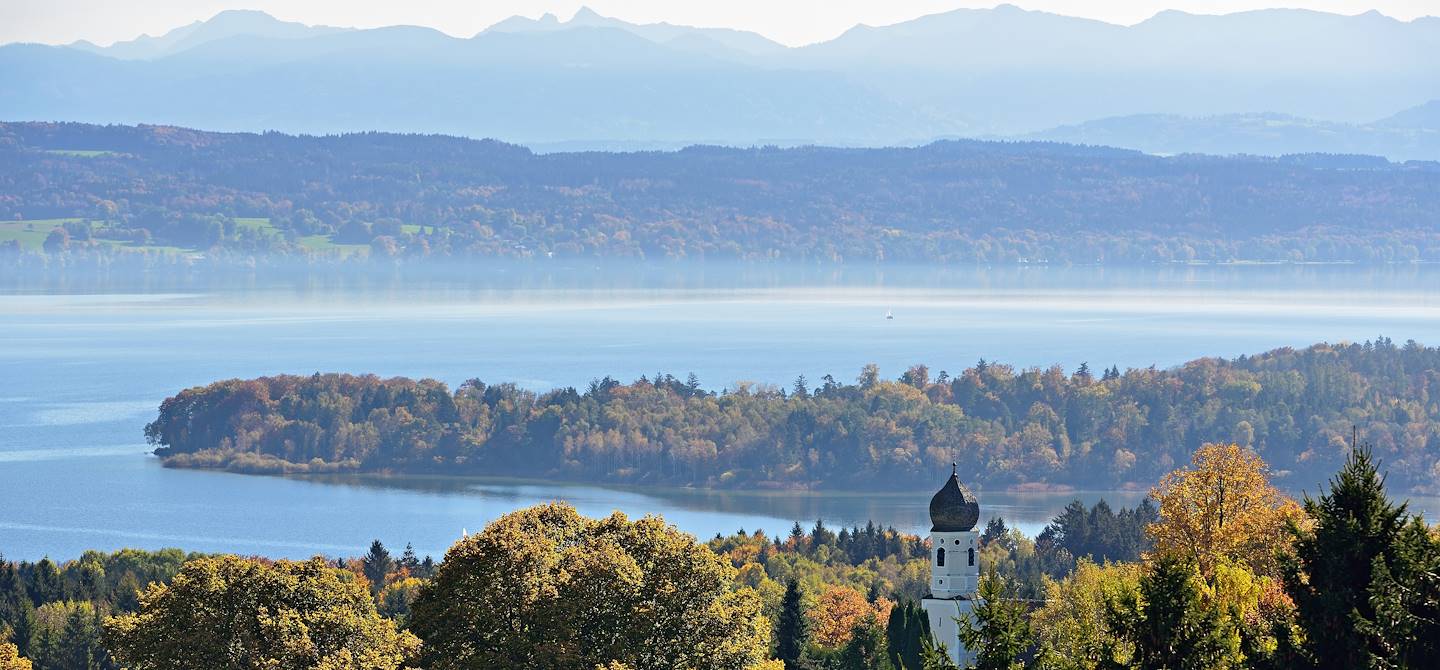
[{"x": 32, "y": 233}]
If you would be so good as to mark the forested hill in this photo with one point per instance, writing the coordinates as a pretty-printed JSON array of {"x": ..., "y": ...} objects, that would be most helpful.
[
  {"x": 1005, "y": 427},
  {"x": 120, "y": 193}
]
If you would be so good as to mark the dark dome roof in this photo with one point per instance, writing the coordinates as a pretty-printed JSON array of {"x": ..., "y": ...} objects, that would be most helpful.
[{"x": 953, "y": 508}]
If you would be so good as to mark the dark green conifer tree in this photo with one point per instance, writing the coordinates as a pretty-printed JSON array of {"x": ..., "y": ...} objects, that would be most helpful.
[
  {"x": 994, "y": 530},
  {"x": 1406, "y": 601},
  {"x": 45, "y": 584},
  {"x": 997, "y": 629},
  {"x": 1169, "y": 624},
  {"x": 907, "y": 633},
  {"x": 1329, "y": 577},
  {"x": 866, "y": 648},
  {"x": 792, "y": 629},
  {"x": 409, "y": 560},
  {"x": 377, "y": 564}
]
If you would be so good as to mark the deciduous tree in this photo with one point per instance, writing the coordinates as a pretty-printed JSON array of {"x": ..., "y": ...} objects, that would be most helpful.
[
  {"x": 1223, "y": 507},
  {"x": 544, "y": 587},
  {"x": 837, "y": 611},
  {"x": 1072, "y": 629},
  {"x": 10, "y": 658},
  {"x": 229, "y": 612}
]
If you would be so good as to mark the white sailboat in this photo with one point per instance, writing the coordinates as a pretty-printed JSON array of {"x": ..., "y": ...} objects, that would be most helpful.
[{"x": 889, "y": 316}]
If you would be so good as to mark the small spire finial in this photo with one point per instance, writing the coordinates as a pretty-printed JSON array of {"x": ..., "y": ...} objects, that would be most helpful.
[{"x": 954, "y": 469}]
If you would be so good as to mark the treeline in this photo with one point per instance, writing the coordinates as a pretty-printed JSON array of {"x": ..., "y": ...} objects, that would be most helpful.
[
  {"x": 1222, "y": 572},
  {"x": 866, "y": 578},
  {"x": 1006, "y": 427},
  {"x": 54, "y": 613},
  {"x": 434, "y": 197}
]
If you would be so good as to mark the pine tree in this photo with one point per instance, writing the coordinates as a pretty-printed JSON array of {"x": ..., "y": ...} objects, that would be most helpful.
[
  {"x": 79, "y": 646},
  {"x": 14, "y": 601},
  {"x": 936, "y": 658},
  {"x": 127, "y": 593},
  {"x": 866, "y": 648},
  {"x": 1169, "y": 624},
  {"x": 997, "y": 629},
  {"x": 408, "y": 560},
  {"x": 45, "y": 583},
  {"x": 1330, "y": 575},
  {"x": 1406, "y": 600},
  {"x": 907, "y": 634},
  {"x": 377, "y": 565},
  {"x": 792, "y": 630},
  {"x": 994, "y": 530}
]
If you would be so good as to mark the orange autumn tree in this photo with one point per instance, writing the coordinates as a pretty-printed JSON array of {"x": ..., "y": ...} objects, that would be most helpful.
[
  {"x": 1221, "y": 508},
  {"x": 838, "y": 610}
]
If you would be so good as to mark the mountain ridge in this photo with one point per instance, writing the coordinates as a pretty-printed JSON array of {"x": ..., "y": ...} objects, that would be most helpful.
[{"x": 970, "y": 72}]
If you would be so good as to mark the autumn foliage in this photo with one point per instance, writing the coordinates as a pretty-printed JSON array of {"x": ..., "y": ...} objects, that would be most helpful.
[
  {"x": 838, "y": 610},
  {"x": 1223, "y": 507},
  {"x": 545, "y": 587}
]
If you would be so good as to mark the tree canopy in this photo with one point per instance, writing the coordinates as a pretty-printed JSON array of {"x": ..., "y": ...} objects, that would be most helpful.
[
  {"x": 1223, "y": 507},
  {"x": 234, "y": 613},
  {"x": 544, "y": 587}
]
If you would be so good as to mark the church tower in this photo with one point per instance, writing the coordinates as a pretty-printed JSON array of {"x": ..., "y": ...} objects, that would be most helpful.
[{"x": 954, "y": 563}]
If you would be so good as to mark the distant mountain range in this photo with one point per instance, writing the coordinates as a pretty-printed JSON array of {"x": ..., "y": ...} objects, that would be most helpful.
[
  {"x": 1413, "y": 134},
  {"x": 1271, "y": 81}
]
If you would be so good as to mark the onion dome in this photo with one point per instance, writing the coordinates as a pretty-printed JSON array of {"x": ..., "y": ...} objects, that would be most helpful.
[{"x": 954, "y": 508}]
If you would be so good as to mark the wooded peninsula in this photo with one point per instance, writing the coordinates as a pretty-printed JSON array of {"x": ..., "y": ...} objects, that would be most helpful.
[{"x": 1030, "y": 428}]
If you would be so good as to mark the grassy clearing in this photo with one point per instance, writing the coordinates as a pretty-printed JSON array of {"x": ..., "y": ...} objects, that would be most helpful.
[
  {"x": 79, "y": 153},
  {"x": 30, "y": 234},
  {"x": 257, "y": 223}
]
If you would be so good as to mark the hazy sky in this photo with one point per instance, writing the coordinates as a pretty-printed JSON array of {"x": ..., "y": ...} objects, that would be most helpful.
[{"x": 789, "y": 21}]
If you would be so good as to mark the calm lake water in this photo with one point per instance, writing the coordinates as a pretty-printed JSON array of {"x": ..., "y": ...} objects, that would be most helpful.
[{"x": 85, "y": 365}]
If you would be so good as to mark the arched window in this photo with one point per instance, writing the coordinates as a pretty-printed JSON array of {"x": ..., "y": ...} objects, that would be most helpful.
[
  {"x": 972, "y": 556},
  {"x": 940, "y": 558}
]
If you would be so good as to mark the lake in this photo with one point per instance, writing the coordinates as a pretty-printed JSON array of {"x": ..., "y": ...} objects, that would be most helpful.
[{"x": 86, "y": 363}]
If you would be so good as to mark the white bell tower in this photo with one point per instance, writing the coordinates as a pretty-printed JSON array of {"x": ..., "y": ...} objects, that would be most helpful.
[{"x": 954, "y": 564}]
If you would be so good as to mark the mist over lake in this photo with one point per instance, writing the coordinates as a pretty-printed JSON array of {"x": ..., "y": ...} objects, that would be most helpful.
[{"x": 88, "y": 363}]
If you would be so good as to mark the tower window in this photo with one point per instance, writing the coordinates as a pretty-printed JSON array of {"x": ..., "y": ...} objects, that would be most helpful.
[
  {"x": 940, "y": 557},
  {"x": 972, "y": 556}
]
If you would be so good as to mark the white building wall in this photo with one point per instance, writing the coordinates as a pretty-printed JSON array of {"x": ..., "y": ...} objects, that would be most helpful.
[
  {"x": 944, "y": 614},
  {"x": 960, "y": 575},
  {"x": 952, "y": 588}
]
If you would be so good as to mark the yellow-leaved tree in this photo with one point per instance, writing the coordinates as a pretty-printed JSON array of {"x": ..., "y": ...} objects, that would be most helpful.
[
  {"x": 10, "y": 658},
  {"x": 1223, "y": 507},
  {"x": 1071, "y": 628},
  {"x": 546, "y": 588},
  {"x": 230, "y": 612}
]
